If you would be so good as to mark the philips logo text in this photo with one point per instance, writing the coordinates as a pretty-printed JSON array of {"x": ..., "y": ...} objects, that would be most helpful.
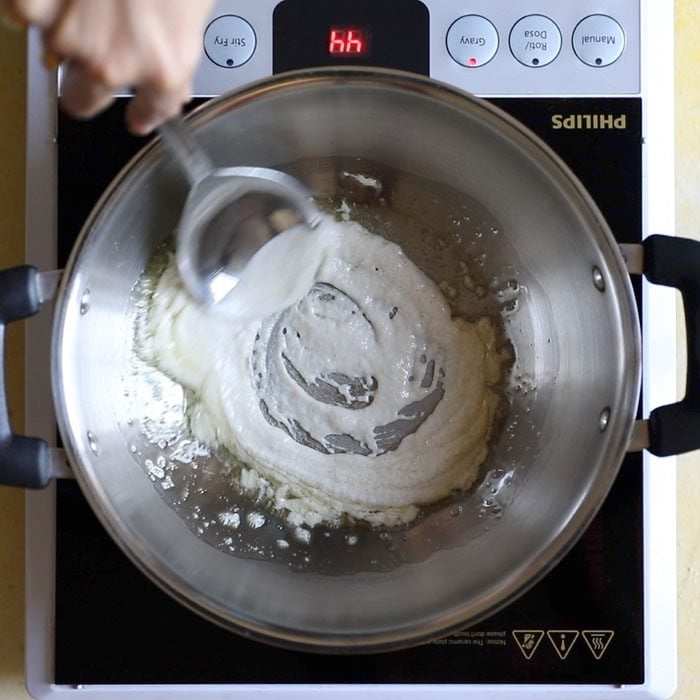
[{"x": 589, "y": 121}]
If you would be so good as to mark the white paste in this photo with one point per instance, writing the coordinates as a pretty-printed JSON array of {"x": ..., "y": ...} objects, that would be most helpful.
[{"x": 365, "y": 398}]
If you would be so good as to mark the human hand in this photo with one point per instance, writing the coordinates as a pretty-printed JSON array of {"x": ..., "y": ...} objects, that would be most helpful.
[{"x": 151, "y": 46}]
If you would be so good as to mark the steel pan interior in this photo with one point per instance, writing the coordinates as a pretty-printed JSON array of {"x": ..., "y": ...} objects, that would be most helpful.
[{"x": 491, "y": 194}]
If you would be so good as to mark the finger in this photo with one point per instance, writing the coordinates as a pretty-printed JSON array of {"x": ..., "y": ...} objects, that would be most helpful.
[
  {"x": 42, "y": 13},
  {"x": 150, "y": 107},
  {"x": 83, "y": 96},
  {"x": 83, "y": 31}
]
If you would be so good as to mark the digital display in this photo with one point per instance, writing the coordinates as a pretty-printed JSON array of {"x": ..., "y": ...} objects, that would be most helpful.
[
  {"x": 370, "y": 33},
  {"x": 348, "y": 41}
]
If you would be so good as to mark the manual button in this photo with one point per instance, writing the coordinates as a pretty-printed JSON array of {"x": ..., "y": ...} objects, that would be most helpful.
[
  {"x": 472, "y": 41},
  {"x": 535, "y": 41},
  {"x": 598, "y": 40}
]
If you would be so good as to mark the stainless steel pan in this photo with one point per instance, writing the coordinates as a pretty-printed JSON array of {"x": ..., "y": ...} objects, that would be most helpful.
[{"x": 480, "y": 204}]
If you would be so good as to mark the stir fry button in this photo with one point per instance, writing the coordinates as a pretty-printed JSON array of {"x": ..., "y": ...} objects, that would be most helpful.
[{"x": 229, "y": 41}]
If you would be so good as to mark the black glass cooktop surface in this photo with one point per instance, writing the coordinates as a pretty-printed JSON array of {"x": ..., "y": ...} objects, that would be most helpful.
[{"x": 583, "y": 623}]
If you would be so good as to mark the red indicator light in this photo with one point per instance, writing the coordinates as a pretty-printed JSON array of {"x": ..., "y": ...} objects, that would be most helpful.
[
  {"x": 348, "y": 41},
  {"x": 472, "y": 61}
]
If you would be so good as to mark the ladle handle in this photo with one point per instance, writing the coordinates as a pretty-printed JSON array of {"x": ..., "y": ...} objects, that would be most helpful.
[
  {"x": 675, "y": 262},
  {"x": 191, "y": 157},
  {"x": 24, "y": 461}
]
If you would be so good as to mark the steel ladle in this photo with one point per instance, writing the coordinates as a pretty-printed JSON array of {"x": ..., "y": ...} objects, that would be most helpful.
[{"x": 229, "y": 214}]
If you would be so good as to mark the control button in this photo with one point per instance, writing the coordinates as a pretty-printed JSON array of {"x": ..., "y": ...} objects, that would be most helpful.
[
  {"x": 535, "y": 41},
  {"x": 598, "y": 40},
  {"x": 472, "y": 41},
  {"x": 229, "y": 41}
]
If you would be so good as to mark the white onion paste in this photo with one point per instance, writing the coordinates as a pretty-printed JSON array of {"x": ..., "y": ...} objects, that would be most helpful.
[{"x": 365, "y": 398}]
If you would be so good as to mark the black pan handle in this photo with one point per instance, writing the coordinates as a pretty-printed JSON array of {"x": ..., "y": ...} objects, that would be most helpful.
[
  {"x": 675, "y": 262},
  {"x": 24, "y": 461}
]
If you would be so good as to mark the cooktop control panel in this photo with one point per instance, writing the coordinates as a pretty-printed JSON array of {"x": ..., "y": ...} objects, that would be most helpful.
[{"x": 519, "y": 47}]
